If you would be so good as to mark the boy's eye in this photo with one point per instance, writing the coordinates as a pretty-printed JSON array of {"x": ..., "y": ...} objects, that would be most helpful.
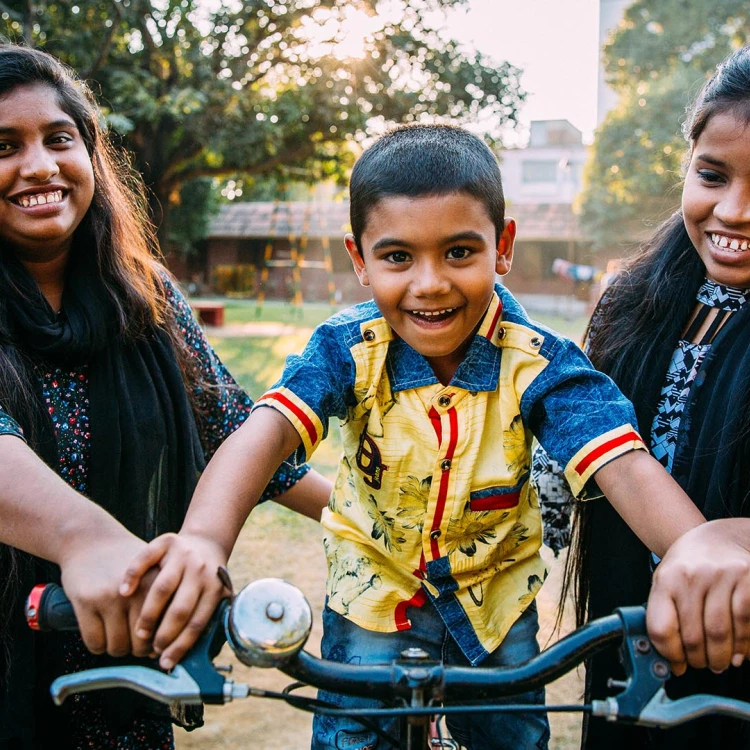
[
  {"x": 5, "y": 148},
  {"x": 397, "y": 256},
  {"x": 459, "y": 253}
]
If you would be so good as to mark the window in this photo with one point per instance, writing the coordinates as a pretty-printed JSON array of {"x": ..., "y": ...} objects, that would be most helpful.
[{"x": 538, "y": 171}]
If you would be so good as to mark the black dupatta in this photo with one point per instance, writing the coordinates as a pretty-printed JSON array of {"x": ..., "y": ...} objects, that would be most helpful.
[
  {"x": 145, "y": 460},
  {"x": 711, "y": 464}
]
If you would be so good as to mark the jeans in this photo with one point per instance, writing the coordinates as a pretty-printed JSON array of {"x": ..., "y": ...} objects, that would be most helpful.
[{"x": 343, "y": 641}]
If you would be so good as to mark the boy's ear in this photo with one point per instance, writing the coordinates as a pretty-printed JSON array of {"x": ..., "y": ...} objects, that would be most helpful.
[
  {"x": 357, "y": 260},
  {"x": 505, "y": 247}
]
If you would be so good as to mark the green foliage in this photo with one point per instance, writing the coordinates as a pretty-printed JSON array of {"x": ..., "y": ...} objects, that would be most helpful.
[
  {"x": 657, "y": 61},
  {"x": 191, "y": 215},
  {"x": 236, "y": 279},
  {"x": 254, "y": 88}
]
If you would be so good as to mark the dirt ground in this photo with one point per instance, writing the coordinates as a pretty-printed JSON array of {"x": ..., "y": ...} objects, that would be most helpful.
[{"x": 278, "y": 543}]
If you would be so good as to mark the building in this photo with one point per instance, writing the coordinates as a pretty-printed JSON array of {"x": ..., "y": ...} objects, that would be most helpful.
[
  {"x": 541, "y": 182},
  {"x": 286, "y": 238}
]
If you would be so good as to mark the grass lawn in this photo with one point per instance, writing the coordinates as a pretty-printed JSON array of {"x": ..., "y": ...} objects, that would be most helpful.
[{"x": 278, "y": 543}]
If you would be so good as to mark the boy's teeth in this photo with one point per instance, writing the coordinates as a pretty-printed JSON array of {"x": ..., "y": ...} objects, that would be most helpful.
[
  {"x": 729, "y": 244},
  {"x": 40, "y": 199},
  {"x": 434, "y": 312}
]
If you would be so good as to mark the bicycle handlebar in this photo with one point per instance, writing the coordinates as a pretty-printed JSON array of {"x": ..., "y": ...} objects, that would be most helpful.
[{"x": 267, "y": 625}]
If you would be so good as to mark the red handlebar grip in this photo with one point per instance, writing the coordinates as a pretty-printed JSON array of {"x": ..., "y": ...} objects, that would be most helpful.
[{"x": 33, "y": 604}]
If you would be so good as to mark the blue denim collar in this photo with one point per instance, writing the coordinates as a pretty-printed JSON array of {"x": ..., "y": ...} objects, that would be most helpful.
[{"x": 479, "y": 370}]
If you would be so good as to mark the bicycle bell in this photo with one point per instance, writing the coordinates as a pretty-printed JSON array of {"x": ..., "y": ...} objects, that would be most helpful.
[{"x": 268, "y": 622}]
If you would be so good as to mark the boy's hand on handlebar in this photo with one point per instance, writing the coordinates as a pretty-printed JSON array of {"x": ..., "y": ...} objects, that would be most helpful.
[
  {"x": 182, "y": 597},
  {"x": 698, "y": 612}
]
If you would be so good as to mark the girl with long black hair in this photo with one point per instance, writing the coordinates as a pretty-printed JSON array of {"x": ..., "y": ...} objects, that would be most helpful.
[
  {"x": 673, "y": 331},
  {"x": 108, "y": 391}
]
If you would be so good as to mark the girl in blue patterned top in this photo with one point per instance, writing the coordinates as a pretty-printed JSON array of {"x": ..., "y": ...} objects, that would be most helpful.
[
  {"x": 108, "y": 391},
  {"x": 673, "y": 331}
]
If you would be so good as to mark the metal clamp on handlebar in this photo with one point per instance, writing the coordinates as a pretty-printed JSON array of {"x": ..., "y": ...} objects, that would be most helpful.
[{"x": 645, "y": 672}]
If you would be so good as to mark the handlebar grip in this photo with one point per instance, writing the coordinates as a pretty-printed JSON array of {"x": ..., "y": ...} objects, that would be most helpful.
[{"x": 48, "y": 608}]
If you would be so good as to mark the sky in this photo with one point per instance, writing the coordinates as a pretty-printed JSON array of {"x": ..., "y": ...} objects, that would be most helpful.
[{"x": 555, "y": 42}]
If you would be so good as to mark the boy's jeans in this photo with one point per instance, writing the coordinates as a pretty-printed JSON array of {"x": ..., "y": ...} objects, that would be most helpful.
[{"x": 343, "y": 641}]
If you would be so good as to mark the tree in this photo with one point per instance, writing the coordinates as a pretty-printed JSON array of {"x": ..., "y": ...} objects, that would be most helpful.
[
  {"x": 657, "y": 60},
  {"x": 201, "y": 89}
]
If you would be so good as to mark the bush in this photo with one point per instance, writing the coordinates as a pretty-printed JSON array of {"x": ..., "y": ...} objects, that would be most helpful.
[{"x": 235, "y": 280}]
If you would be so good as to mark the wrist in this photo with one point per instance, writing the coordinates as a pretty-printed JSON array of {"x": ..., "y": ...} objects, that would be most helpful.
[{"x": 87, "y": 526}]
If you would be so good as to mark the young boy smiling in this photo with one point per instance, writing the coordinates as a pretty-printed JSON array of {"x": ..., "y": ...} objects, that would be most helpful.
[{"x": 433, "y": 530}]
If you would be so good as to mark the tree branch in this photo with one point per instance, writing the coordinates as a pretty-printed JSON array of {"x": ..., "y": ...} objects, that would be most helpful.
[{"x": 107, "y": 43}]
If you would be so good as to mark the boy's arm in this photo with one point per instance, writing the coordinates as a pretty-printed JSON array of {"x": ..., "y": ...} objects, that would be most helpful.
[
  {"x": 648, "y": 499},
  {"x": 187, "y": 584}
]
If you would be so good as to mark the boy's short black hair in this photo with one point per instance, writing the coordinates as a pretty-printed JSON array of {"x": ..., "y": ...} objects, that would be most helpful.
[{"x": 420, "y": 160}]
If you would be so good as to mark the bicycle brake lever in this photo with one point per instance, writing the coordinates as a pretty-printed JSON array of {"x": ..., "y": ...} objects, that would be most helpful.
[
  {"x": 645, "y": 670},
  {"x": 193, "y": 680},
  {"x": 167, "y": 688},
  {"x": 661, "y": 711}
]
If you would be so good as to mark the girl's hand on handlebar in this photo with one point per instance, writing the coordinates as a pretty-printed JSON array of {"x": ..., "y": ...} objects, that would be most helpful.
[
  {"x": 182, "y": 597},
  {"x": 698, "y": 612},
  {"x": 91, "y": 575}
]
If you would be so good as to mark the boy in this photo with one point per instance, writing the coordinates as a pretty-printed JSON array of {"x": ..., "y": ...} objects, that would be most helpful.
[{"x": 433, "y": 531}]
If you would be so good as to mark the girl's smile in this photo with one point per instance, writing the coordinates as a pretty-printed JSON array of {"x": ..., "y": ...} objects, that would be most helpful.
[
  {"x": 46, "y": 176},
  {"x": 716, "y": 199}
]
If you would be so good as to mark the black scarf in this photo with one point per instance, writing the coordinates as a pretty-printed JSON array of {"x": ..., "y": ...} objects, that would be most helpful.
[
  {"x": 711, "y": 465},
  {"x": 145, "y": 459}
]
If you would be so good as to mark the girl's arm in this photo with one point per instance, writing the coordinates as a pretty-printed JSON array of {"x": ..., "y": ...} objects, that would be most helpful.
[
  {"x": 225, "y": 406},
  {"x": 309, "y": 496},
  {"x": 42, "y": 515},
  {"x": 187, "y": 589}
]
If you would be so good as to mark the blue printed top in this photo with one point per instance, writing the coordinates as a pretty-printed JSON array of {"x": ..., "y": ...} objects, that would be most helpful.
[{"x": 65, "y": 394}]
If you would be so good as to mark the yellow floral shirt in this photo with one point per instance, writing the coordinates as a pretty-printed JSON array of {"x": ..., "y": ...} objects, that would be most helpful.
[{"x": 432, "y": 497}]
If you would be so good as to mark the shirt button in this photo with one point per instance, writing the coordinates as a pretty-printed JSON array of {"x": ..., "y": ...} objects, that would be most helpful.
[
  {"x": 536, "y": 342},
  {"x": 368, "y": 335},
  {"x": 435, "y": 533},
  {"x": 501, "y": 333},
  {"x": 444, "y": 401},
  {"x": 446, "y": 464}
]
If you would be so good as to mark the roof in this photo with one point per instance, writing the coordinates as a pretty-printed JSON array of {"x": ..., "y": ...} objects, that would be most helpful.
[
  {"x": 261, "y": 219},
  {"x": 315, "y": 219},
  {"x": 544, "y": 222}
]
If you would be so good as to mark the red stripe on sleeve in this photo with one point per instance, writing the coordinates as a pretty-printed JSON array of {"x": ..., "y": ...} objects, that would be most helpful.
[
  {"x": 402, "y": 622},
  {"x": 605, "y": 448},
  {"x": 306, "y": 421}
]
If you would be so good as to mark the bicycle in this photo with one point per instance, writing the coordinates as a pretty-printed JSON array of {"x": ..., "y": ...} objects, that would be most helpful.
[{"x": 267, "y": 624}]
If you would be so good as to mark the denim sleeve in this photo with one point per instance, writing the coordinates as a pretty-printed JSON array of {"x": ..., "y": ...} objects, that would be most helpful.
[
  {"x": 314, "y": 387},
  {"x": 578, "y": 415}
]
